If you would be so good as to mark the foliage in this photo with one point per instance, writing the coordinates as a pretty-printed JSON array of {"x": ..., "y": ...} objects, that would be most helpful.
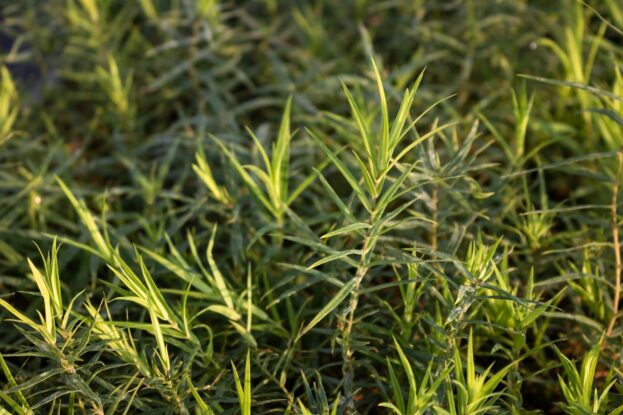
[{"x": 407, "y": 207}]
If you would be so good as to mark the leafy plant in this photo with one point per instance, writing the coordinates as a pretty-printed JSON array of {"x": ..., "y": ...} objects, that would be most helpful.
[
  {"x": 406, "y": 226},
  {"x": 578, "y": 386}
]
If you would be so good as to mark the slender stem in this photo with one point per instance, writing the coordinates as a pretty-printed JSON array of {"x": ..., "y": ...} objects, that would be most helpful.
[
  {"x": 279, "y": 232},
  {"x": 347, "y": 351},
  {"x": 616, "y": 245},
  {"x": 435, "y": 225}
]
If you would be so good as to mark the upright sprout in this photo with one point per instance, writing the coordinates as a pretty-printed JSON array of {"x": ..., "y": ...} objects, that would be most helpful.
[
  {"x": 473, "y": 392},
  {"x": 270, "y": 185},
  {"x": 384, "y": 175},
  {"x": 578, "y": 386},
  {"x": 118, "y": 90},
  {"x": 577, "y": 62},
  {"x": 8, "y": 107}
]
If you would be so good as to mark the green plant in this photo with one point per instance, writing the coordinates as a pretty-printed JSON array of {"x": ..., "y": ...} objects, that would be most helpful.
[
  {"x": 475, "y": 393},
  {"x": 378, "y": 240},
  {"x": 578, "y": 386},
  {"x": 420, "y": 398},
  {"x": 8, "y": 107},
  {"x": 380, "y": 158}
]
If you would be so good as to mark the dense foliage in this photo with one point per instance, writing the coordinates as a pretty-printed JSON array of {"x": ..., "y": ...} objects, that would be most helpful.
[{"x": 282, "y": 206}]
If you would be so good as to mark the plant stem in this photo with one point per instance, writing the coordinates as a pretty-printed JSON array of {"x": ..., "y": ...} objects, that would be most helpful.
[
  {"x": 435, "y": 225},
  {"x": 347, "y": 351},
  {"x": 616, "y": 245}
]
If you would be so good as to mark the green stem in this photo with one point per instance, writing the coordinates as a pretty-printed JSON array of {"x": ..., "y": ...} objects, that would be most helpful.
[{"x": 347, "y": 351}]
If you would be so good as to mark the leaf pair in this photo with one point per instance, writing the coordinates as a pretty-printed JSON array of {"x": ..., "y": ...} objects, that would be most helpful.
[{"x": 244, "y": 392}]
